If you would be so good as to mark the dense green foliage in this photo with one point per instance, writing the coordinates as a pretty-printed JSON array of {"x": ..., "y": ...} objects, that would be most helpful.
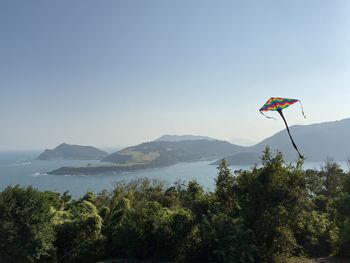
[
  {"x": 258, "y": 215},
  {"x": 26, "y": 227}
]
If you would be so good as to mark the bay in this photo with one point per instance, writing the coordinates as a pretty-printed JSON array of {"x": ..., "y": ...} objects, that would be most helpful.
[{"x": 22, "y": 168}]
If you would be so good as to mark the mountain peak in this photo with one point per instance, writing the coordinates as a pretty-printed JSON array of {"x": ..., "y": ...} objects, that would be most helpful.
[
  {"x": 72, "y": 152},
  {"x": 62, "y": 145}
]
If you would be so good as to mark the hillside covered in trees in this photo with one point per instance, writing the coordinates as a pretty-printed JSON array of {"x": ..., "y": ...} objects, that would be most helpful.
[{"x": 266, "y": 214}]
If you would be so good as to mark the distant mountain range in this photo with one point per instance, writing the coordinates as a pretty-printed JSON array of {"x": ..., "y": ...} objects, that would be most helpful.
[
  {"x": 72, "y": 152},
  {"x": 157, "y": 154},
  {"x": 316, "y": 142},
  {"x": 162, "y": 153}
]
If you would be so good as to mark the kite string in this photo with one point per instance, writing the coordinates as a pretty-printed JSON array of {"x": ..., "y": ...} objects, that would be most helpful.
[
  {"x": 302, "y": 109},
  {"x": 267, "y": 116}
]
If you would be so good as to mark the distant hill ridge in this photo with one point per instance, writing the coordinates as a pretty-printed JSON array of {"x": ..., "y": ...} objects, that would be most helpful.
[
  {"x": 161, "y": 153},
  {"x": 316, "y": 142},
  {"x": 178, "y": 138},
  {"x": 72, "y": 152},
  {"x": 157, "y": 154}
]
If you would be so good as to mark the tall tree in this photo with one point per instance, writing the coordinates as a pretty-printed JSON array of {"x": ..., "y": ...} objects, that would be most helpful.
[
  {"x": 271, "y": 201},
  {"x": 26, "y": 229},
  {"x": 224, "y": 190}
]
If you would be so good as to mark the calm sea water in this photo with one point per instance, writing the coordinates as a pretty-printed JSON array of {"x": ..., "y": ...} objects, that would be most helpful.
[{"x": 22, "y": 168}]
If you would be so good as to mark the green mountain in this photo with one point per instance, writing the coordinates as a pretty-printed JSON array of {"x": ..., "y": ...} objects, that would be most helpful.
[
  {"x": 72, "y": 152},
  {"x": 162, "y": 153}
]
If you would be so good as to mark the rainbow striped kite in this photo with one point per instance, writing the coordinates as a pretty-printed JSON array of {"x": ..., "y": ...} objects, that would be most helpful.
[{"x": 278, "y": 104}]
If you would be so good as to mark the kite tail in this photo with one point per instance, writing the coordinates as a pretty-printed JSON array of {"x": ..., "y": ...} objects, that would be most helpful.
[
  {"x": 302, "y": 109},
  {"x": 290, "y": 136},
  {"x": 267, "y": 116}
]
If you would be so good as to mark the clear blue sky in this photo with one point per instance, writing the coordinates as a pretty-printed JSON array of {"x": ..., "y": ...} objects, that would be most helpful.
[{"x": 108, "y": 73}]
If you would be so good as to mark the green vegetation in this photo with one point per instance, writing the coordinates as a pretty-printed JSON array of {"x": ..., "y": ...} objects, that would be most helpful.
[
  {"x": 274, "y": 213},
  {"x": 141, "y": 158},
  {"x": 72, "y": 152},
  {"x": 154, "y": 155},
  {"x": 164, "y": 153}
]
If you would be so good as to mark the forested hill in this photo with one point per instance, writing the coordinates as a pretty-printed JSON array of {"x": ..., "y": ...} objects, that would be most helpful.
[
  {"x": 316, "y": 142},
  {"x": 166, "y": 152},
  {"x": 72, "y": 152}
]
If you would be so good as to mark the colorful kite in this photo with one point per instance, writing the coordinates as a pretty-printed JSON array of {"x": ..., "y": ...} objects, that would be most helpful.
[{"x": 278, "y": 104}]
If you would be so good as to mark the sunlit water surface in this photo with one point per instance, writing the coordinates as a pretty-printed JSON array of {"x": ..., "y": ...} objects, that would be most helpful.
[{"x": 22, "y": 168}]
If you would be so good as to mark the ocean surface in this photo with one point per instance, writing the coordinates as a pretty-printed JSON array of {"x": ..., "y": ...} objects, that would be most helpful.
[{"x": 23, "y": 169}]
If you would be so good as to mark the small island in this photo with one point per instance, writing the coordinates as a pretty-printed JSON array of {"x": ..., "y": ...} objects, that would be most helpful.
[
  {"x": 66, "y": 151},
  {"x": 99, "y": 169}
]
